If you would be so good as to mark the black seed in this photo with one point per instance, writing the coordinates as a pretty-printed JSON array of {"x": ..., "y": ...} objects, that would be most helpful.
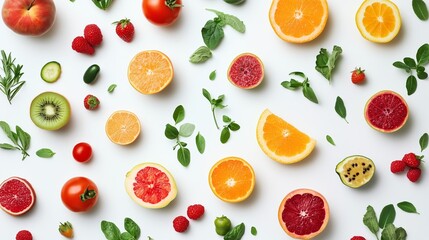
[
  {"x": 370, "y": 166},
  {"x": 354, "y": 175},
  {"x": 363, "y": 164},
  {"x": 353, "y": 179},
  {"x": 345, "y": 175},
  {"x": 350, "y": 179},
  {"x": 348, "y": 170},
  {"x": 364, "y": 171},
  {"x": 357, "y": 174}
]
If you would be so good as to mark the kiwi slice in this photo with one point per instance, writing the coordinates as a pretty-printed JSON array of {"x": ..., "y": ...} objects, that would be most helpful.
[{"x": 50, "y": 111}]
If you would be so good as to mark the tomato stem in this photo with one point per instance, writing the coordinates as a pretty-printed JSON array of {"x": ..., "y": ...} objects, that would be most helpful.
[
  {"x": 88, "y": 194},
  {"x": 172, "y": 4}
]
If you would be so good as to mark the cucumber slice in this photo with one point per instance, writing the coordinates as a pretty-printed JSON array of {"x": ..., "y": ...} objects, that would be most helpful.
[{"x": 51, "y": 71}]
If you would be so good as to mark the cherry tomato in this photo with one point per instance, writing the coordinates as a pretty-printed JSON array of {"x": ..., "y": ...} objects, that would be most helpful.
[
  {"x": 162, "y": 12},
  {"x": 82, "y": 152},
  {"x": 79, "y": 194}
]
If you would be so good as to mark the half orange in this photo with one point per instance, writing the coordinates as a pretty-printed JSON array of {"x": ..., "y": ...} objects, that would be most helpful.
[
  {"x": 232, "y": 179},
  {"x": 122, "y": 127},
  {"x": 281, "y": 141},
  {"x": 298, "y": 21},
  {"x": 150, "y": 71}
]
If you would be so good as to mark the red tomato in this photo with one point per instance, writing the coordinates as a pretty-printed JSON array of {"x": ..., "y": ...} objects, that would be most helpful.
[
  {"x": 161, "y": 12},
  {"x": 82, "y": 152},
  {"x": 79, "y": 194}
]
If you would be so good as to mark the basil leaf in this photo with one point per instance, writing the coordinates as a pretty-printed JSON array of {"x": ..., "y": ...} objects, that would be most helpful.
[
  {"x": 226, "y": 119},
  {"x": 186, "y": 129},
  {"x": 225, "y": 135},
  {"x": 200, "y": 55},
  {"x": 212, "y": 33},
  {"x": 411, "y": 85},
  {"x": 234, "y": 126},
  {"x": 212, "y": 75},
  {"x": 24, "y": 138},
  {"x": 309, "y": 93},
  {"x": 200, "y": 142},
  {"x": 423, "y": 141},
  {"x": 7, "y": 146},
  {"x": 400, "y": 233},
  {"x": 45, "y": 153},
  {"x": 110, "y": 230},
  {"x": 207, "y": 95},
  {"x": 370, "y": 220},
  {"x": 422, "y": 55},
  {"x": 389, "y": 232},
  {"x": 387, "y": 216},
  {"x": 340, "y": 108},
  {"x": 330, "y": 140},
  {"x": 184, "y": 156},
  {"x": 111, "y": 88},
  {"x": 253, "y": 231},
  {"x": 402, "y": 65},
  {"x": 8, "y": 132},
  {"x": 132, "y": 228},
  {"x": 171, "y": 132},
  {"x": 420, "y": 9},
  {"x": 235, "y": 233},
  {"x": 126, "y": 236},
  {"x": 410, "y": 62},
  {"x": 407, "y": 207},
  {"x": 179, "y": 114}
]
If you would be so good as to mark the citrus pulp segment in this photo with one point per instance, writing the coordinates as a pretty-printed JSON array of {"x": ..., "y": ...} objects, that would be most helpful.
[
  {"x": 122, "y": 127},
  {"x": 298, "y": 21},
  {"x": 303, "y": 213},
  {"x": 150, "y": 185},
  {"x": 378, "y": 20},
  {"x": 17, "y": 196},
  {"x": 150, "y": 71},
  {"x": 281, "y": 141},
  {"x": 355, "y": 171},
  {"x": 232, "y": 179}
]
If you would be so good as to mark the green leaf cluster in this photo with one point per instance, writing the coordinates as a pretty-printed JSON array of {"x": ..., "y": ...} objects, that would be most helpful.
[
  {"x": 185, "y": 130},
  {"x": 420, "y": 9},
  {"x": 410, "y": 65},
  {"x": 325, "y": 62},
  {"x": 112, "y": 232},
  {"x": 20, "y": 139},
  {"x": 10, "y": 83},
  {"x": 307, "y": 91},
  {"x": 225, "y": 134},
  {"x": 102, "y": 4}
]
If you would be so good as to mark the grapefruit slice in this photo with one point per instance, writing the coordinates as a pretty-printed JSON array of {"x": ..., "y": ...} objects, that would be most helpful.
[
  {"x": 17, "y": 196},
  {"x": 386, "y": 111},
  {"x": 246, "y": 71},
  {"x": 150, "y": 185},
  {"x": 303, "y": 214}
]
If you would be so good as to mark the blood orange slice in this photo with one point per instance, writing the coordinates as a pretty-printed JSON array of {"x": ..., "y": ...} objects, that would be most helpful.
[
  {"x": 303, "y": 213},
  {"x": 386, "y": 111},
  {"x": 246, "y": 71},
  {"x": 17, "y": 196},
  {"x": 150, "y": 185}
]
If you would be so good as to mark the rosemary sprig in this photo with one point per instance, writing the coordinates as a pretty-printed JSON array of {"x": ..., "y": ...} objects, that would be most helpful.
[{"x": 9, "y": 82}]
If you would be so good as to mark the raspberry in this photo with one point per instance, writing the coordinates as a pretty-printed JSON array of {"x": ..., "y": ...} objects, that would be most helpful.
[
  {"x": 413, "y": 174},
  {"x": 412, "y": 160},
  {"x": 358, "y": 238},
  {"x": 80, "y": 45},
  {"x": 180, "y": 224},
  {"x": 195, "y": 211},
  {"x": 397, "y": 166},
  {"x": 24, "y": 235},
  {"x": 93, "y": 35}
]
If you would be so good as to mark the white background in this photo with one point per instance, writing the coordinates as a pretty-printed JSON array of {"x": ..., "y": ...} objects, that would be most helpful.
[{"x": 273, "y": 180}]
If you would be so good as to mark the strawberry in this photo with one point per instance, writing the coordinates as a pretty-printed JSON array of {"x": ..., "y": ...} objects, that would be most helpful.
[
  {"x": 66, "y": 229},
  {"x": 180, "y": 224},
  {"x": 412, "y": 160},
  {"x": 358, "y": 76},
  {"x": 91, "y": 102},
  {"x": 24, "y": 235},
  {"x": 413, "y": 174},
  {"x": 125, "y": 29},
  {"x": 80, "y": 45},
  {"x": 195, "y": 211},
  {"x": 357, "y": 238},
  {"x": 397, "y": 166},
  {"x": 92, "y": 34}
]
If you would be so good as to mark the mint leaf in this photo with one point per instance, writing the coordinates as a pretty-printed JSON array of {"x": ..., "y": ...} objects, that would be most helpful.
[
  {"x": 212, "y": 75},
  {"x": 325, "y": 62},
  {"x": 230, "y": 20},
  {"x": 407, "y": 207},
  {"x": 171, "y": 131},
  {"x": 112, "y": 88},
  {"x": 179, "y": 114},
  {"x": 423, "y": 141},
  {"x": 422, "y": 55},
  {"x": 212, "y": 33},
  {"x": 330, "y": 140},
  {"x": 200, "y": 142},
  {"x": 253, "y": 231},
  {"x": 387, "y": 216},
  {"x": 45, "y": 153},
  {"x": 370, "y": 220},
  {"x": 411, "y": 85},
  {"x": 420, "y": 9},
  {"x": 340, "y": 108},
  {"x": 225, "y": 135},
  {"x": 184, "y": 156},
  {"x": 200, "y": 55},
  {"x": 389, "y": 232},
  {"x": 186, "y": 129}
]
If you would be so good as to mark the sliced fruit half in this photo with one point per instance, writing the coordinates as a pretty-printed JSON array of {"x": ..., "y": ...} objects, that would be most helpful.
[
  {"x": 51, "y": 71},
  {"x": 17, "y": 196},
  {"x": 122, "y": 127},
  {"x": 303, "y": 214},
  {"x": 246, "y": 71},
  {"x": 355, "y": 171},
  {"x": 50, "y": 111},
  {"x": 150, "y": 185}
]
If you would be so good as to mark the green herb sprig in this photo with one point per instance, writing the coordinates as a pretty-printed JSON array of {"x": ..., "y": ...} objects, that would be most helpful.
[
  {"x": 216, "y": 103},
  {"x": 340, "y": 108},
  {"x": 102, "y": 4},
  {"x": 10, "y": 83},
  {"x": 20, "y": 139},
  {"x": 307, "y": 91},
  {"x": 112, "y": 232},
  {"x": 325, "y": 62},
  {"x": 410, "y": 65},
  {"x": 420, "y": 9},
  {"x": 226, "y": 131}
]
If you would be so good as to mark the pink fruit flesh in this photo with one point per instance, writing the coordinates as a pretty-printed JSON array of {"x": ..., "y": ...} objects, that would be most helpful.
[
  {"x": 387, "y": 112},
  {"x": 16, "y": 197},
  {"x": 246, "y": 71},
  {"x": 152, "y": 185},
  {"x": 304, "y": 214}
]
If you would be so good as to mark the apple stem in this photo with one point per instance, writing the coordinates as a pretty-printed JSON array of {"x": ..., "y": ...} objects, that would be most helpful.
[{"x": 31, "y": 4}]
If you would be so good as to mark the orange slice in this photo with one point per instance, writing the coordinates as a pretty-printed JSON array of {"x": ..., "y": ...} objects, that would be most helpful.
[
  {"x": 232, "y": 179},
  {"x": 298, "y": 21},
  {"x": 150, "y": 71},
  {"x": 122, "y": 127},
  {"x": 378, "y": 20},
  {"x": 281, "y": 141}
]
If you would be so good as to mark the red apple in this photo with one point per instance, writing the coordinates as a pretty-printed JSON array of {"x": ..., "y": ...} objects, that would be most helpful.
[{"x": 29, "y": 17}]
